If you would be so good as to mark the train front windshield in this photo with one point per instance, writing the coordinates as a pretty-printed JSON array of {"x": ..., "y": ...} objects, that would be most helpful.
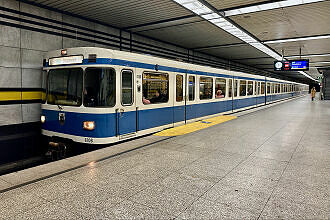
[{"x": 65, "y": 87}]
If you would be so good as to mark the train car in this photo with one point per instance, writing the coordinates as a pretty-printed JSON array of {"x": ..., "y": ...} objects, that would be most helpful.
[{"x": 101, "y": 96}]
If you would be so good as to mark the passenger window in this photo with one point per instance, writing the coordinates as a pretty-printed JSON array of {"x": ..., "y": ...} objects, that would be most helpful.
[
  {"x": 220, "y": 88},
  {"x": 257, "y": 86},
  {"x": 230, "y": 88},
  {"x": 205, "y": 88},
  {"x": 262, "y": 88},
  {"x": 250, "y": 88},
  {"x": 268, "y": 88},
  {"x": 242, "y": 88},
  {"x": 155, "y": 88},
  {"x": 191, "y": 88},
  {"x": 127, "y": 87},
  {"x": 100, "y": 87},
  {"x": 235, "y": 87},
  {"x": 179, "y": 88}
]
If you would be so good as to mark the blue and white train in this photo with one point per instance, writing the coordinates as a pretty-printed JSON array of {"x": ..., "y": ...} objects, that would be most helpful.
[{"x": 101, "y": 96}]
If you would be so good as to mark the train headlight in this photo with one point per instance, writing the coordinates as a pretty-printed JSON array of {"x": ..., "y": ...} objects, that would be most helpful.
[
  {"x": 89, "y": 125},
  {"x": 42, "y": 118}
]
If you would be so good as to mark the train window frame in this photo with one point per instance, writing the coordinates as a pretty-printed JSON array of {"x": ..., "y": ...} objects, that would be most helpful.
[
  {"x": 44, "y": 87},
  {"x": 193, "y": 88},
  {"x": 249, "y": 82},
  {"x": 216, "y": 90},
  {"x": 263, "y": 85},
  {"x": 121, "y": 87},
  {"x": 115, "y": 86},
  {"x": 168, "y": 87},
  {"x": 268, "y": 88},
  {"x": 241, "y": 89},
  {"x": 82, "y": 86},
  {"x": 258, "y": 86},
  {"x": 176, "y": 87},
  {"x": 230, "y": 88},
  {"x": 235, "y": 87},
  {"x": 212, "y": 88}
]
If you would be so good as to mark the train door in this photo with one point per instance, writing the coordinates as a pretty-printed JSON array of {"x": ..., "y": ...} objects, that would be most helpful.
[
  {"x": 179, "y": 99},
  {"x": 126, "y": 114},
  {"x": 190, "y": 97}
]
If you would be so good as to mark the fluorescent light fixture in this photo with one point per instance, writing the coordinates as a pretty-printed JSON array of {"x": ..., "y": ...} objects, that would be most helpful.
[
  {"x": 218, "y": 20},
  {"x": 321, "y": 62},
  {"x": 268, "y": 6},
  {"x": 307, "y": 75},
  {"x": 297, "y": 39},
  {"x": 309, "y": 55}
]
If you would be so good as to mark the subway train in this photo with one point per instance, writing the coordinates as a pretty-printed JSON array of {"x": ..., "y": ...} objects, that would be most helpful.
[{"x": 100, "y": 96}]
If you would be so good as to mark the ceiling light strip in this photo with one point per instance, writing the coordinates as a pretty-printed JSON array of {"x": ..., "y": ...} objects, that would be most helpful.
[
  {"x": 268, "y": 6},
  {"x": 309, "y": 55},
  {"x": 307, "y": 75},
  {"x": 215, "y": 18},
  {"x": 297, "y": 39}
]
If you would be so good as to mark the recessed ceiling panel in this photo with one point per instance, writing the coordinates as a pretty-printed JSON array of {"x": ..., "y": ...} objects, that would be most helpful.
[
  {"x": 201, "y": 34},
  {"x": 267, "y": 25},
  {"x": 224, "y": 4},
  {"x": 310, "y": 19},
  {"x": 236, "y": 52},
  {"x": 120, "y": 13}
]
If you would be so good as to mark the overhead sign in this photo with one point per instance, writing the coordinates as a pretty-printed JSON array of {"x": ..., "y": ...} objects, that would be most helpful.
[
  {"x": 65, "y": 60},
  {"x": 292, "y": 65}
]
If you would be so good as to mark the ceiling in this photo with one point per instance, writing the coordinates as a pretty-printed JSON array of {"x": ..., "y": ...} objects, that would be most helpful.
[{"x": 168, "y": 21}]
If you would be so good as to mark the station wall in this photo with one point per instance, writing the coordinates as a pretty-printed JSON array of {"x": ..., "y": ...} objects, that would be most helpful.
[{"x": 27, "y": 32}]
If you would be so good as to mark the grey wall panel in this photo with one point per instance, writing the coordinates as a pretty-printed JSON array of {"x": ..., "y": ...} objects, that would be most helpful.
[
  {"x": 10, "y": 77},
  {"x": 69, "y": 42},
  {"x": 10, "y": 114},
  {"x": 40, "y": 12},
  {"x": 40, "y": 41},
  {"x": 9, "y": 4},
  {"x": 32, "y": 58},
  {"x": 9, "y": 36},
  {"x": 31, "y": 112},
  {"x": 9, "y": 57},
  {"x": 78, "y": 21},
  {"x": 31, "y": 78}
]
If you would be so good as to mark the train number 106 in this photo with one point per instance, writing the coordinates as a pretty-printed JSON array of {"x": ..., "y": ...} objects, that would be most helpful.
[{"x": 89, "y": 140}]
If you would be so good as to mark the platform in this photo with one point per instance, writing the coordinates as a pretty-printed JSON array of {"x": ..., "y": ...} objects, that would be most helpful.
[{"x": 268, "y": 164}]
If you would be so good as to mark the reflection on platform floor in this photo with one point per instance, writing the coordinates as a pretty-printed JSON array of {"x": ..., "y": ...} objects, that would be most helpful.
[{"x": 270, "y": 164}]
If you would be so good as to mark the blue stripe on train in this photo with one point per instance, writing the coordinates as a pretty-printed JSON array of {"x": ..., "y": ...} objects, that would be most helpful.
[{"x": 106, "y": 123}]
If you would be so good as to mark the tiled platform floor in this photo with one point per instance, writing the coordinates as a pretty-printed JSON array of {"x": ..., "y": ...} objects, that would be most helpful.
[{"x": 270, "y": 164}]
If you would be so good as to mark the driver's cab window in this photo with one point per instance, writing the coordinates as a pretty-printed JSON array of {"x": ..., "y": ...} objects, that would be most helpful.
[{"x": 99, "y": 87}]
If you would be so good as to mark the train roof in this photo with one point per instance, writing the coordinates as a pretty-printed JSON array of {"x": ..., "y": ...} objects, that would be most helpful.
[{"x": 149, "y": 59}]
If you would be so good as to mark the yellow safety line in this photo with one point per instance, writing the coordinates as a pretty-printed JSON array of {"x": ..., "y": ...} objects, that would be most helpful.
[
  {"x": 8, "y": 96},
  {"x": 25, "y": 95},
  {"x": 195, "y": 126},
  {"x": 31, "y": 95}
]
